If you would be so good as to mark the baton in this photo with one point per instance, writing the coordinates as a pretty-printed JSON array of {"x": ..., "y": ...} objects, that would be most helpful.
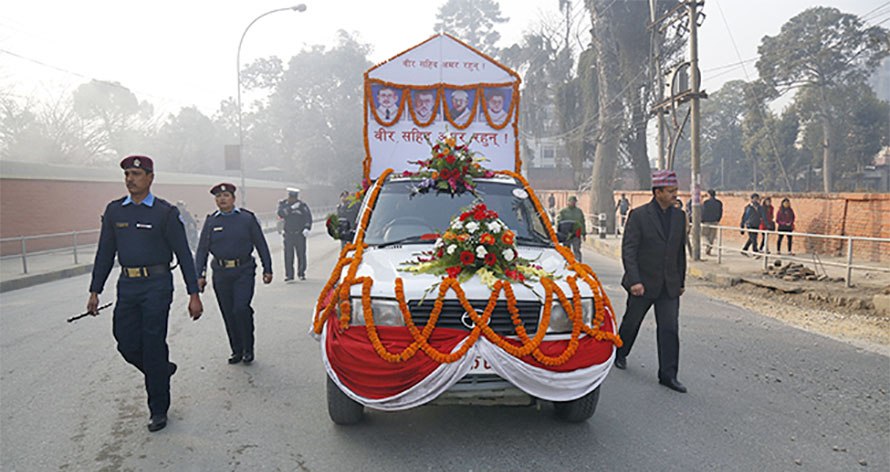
[{"x": 75, "y": 318}]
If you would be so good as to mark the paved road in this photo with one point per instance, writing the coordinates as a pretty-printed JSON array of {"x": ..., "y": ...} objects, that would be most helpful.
[{"x": 763, "y": 396}]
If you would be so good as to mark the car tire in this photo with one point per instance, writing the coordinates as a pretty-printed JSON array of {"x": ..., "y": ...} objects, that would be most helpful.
[
  {"x": 342, "y": 409},
  {"x": 581, "y": 409}
]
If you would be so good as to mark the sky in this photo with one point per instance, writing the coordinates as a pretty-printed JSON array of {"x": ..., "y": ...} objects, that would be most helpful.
[{"x": 182, "y": 53}]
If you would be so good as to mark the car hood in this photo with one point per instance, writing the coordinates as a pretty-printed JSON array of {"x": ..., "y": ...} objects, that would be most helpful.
[{"x": 382, "y": 266}]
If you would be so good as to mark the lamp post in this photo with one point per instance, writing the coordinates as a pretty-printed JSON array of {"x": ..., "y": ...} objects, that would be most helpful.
[{"x": 297, "y": 8}]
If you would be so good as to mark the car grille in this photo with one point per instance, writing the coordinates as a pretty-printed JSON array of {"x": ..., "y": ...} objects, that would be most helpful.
[{"x": 501, "y": 323}]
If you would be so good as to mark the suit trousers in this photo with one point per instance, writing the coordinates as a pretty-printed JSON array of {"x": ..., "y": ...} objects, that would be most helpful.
[
  {"x": 294, "y": 242},
  {"x": 234, "y": 291},
  {"x": 139, "y": 325},
  {"x": 667, "y": 314},
  {"x": 575, "y": 246}
]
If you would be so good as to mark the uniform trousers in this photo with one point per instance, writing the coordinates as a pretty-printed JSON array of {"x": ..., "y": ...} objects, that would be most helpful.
[
  {"x": 139, "y": 325},
  {"x": 667, "y": 314},
  {"x": 294, "y": 242},
  {"x": 234, "y": 291},
  {"x": 575, "y": 246}
]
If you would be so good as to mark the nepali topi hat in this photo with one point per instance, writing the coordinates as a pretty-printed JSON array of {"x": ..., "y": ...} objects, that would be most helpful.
[{"x": 664, "y": 178}]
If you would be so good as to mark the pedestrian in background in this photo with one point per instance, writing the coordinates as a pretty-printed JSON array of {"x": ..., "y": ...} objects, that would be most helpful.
[
  {"x": 687, "y": 217},
  {"x": 712, "y": 213},
  {"x": 144, "y": 232},
  {"x": 752, "y": 217},
  {"x": 574, "y": 216},
  {"x": 297, "y": 225},
  {"x": 768, "y": 222},
  {"x": 231, "y": 234},
  {"x": 785, "y": 221},
  {"x": 622, "y": 207},
  {"x": 551, "y": 206},
  {"x": 654, "y": 257}
]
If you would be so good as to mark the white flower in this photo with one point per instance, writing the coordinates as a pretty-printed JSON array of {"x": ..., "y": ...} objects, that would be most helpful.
[
  {"x": 457, "y": 224},
  {"x": 472, "y": 227},
  {"x": 494, "y": 227},
  {"x": 508, "y": 255},
  {"x": 451, "y": 249},
  {"x": 439, "y": 243},
  {"x": 480, "y": 251}
]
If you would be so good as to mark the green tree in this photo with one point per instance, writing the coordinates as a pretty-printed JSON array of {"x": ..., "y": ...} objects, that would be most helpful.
[
  {"x": 311, "y": 123},
  {"x": 473, "y": 22},
  {"x": 721, "y": 138},
  {"x": 822, "y": 50},
  {"x": 190, "y": 142},
  {"x": 114, "y": 118}
]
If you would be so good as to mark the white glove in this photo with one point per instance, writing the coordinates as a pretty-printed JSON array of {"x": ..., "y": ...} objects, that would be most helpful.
[{"x": 305, "y": 233}]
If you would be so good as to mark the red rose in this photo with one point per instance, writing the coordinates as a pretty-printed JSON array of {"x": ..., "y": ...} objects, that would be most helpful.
[
  {"x": 450, "y": 159},
  {"x": 439, "y": 253},
  {"x": 453, "y": 272},
  {"x": 465, "y": 215},
  {"x": 490, "y": 259},
  {"x": 467, "y": 258}
]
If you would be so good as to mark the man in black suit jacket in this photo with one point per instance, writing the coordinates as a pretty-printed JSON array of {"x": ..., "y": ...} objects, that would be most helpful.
[{"x": 654, "y": 255}]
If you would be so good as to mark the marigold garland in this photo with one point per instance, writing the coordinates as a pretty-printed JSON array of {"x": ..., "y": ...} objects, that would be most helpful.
[{"x": 529, "y": 345}]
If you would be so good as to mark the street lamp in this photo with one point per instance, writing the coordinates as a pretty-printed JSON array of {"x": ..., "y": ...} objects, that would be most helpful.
[{"x": 298, "y": 8}]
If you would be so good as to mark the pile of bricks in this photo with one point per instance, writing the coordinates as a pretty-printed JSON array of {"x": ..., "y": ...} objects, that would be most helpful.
[{"x": 793, "y": 272}]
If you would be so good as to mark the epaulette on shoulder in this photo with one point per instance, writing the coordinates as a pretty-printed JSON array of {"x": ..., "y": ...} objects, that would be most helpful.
[
  {"x": 245, "y": 210},
  {"x": 163, "y": 202}
]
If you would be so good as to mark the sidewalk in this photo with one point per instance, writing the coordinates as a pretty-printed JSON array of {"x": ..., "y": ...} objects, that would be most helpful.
[{"x": 869, "y": 287}]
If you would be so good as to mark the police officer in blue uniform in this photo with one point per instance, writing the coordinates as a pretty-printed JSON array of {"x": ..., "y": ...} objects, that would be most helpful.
[
  {"x": 297, "y": 224},
  {"x": 231, "y": 234},
  {"x": 144, "y": 231}
]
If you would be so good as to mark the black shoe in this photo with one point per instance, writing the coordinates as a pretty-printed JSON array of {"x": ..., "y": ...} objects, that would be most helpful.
[
  {"x": 288, "y": 279},
  {"x": 302, "y": 277},
  {"x": 235, "y": 358},
  {"x": 620, "y": 362},
  {"x": 172, "y": 368},
  {"x": 248, "y": 357},
  {"x": 157, "y": 422},
  {"x": 673, "y": 384}
]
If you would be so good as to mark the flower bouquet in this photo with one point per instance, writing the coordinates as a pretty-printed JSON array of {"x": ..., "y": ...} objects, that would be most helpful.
[
  {"x": 477, "y": 243},
  {"x": 451, "y": 168},
  {"x": 332, "y": 225}
]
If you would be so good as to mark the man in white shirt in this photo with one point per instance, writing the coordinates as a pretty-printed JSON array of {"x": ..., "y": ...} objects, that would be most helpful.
[
  {"x": 387, "y": 103},
  {"x": 424, "y": 104},
  {"x": 460, "y": 110},
  {"x": 496, "y": 111}
]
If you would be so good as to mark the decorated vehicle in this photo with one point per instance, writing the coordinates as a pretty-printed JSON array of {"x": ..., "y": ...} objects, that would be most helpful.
[{"x": 455, "y": 288}]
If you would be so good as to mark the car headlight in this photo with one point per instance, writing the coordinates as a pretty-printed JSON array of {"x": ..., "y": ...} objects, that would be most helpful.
[
  {"x": 560, "y": 322},
  {"x": 386, "y": 313}
]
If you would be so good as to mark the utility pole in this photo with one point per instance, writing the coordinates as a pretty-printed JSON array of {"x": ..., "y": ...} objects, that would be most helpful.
[
  {"x": 659, "y": 80},
  {"x": 685, "y": 16},
  {"x": 692, "y": 6}
]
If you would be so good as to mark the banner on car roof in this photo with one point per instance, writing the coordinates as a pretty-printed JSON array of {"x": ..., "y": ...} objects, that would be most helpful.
[{"x": 440, "y": 86}]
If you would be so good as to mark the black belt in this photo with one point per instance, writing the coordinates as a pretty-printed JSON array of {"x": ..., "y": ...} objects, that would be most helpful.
[
  {"x": 231, "y": 263},
  {"x": 144, "y": 271}
]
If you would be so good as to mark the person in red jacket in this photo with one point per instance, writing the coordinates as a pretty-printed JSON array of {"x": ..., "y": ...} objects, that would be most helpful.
[
  {"x": 768, "y": 223},
  {"x": 785, "y": 222}
]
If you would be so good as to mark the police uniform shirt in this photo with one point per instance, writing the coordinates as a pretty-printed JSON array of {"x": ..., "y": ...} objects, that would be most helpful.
[
  {"x": 231, "y": 236},
  {"x": 142, "y": 235},
  {"x": 295, "y": 219}
]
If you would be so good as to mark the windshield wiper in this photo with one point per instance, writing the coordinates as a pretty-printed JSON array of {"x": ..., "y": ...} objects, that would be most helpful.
[
  {"x": 530, "y": 241},
  {"x": 409, "y": 240}
]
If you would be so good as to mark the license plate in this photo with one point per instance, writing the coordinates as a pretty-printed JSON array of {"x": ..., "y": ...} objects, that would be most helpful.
[{"x": 481, "y": 366}]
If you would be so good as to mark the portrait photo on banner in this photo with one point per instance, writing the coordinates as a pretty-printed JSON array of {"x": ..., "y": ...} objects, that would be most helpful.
[
  {"x": 387, "y": 101},
  {"x": 497, "y": 104},
  {"x": 460, "y": 103},
  {"x": 425, "y": 107}
]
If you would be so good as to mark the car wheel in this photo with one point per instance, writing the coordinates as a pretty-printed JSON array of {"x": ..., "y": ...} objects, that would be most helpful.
[
  {"x": 579, "y": 410},
  {"x": 342, "y": 409}
]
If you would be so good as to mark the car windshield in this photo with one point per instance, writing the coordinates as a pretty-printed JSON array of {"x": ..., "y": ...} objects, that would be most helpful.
[{"x": 400, "y": 217}]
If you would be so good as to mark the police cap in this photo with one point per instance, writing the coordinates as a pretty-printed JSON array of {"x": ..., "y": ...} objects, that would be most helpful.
[
  {"x": 138, "y": 162},
  {"x": 293, "y": 191},
  {"x": 223, "y": 187}
]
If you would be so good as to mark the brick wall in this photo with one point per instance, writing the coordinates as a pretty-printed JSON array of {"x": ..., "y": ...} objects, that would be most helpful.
[
  {"x": 34, "y": 206},
  {"x": 848, "y": 214}
]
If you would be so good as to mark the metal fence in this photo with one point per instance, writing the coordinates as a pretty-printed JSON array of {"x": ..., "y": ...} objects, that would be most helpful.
[
  {"x": 75, "y": 243},
  {"x": 847, "y": 241}
]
